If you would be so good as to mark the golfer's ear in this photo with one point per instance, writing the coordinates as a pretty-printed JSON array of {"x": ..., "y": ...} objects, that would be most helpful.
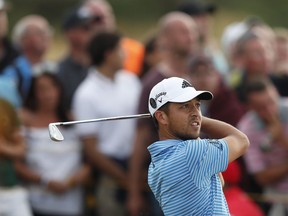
[{"x": 161, "y": 117}]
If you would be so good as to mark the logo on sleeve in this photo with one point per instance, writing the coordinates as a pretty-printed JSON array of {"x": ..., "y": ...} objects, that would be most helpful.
[{"x": 216, "y": 143}]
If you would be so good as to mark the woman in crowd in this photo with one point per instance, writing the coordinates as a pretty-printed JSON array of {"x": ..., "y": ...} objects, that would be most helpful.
[{"x": 54, "y": 172}]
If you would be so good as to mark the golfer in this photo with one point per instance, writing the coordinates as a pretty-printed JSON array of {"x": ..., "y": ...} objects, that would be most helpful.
[{"x": 185, "y": 171}]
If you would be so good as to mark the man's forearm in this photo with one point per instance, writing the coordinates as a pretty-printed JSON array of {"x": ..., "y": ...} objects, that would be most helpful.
[
  {"x": 216, "y": 129},
  {"x": 237, "y": 141}
]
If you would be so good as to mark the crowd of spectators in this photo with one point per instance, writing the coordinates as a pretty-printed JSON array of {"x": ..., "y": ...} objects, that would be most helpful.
[{"x": 101, "y": 168}]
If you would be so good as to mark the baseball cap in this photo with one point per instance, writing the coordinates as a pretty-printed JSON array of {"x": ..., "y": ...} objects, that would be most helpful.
[
  {"x": 194, "y": 8},
  {"x": 231, "y": 35},
  {"x": 174, "y": 89},
  {"x": 76, "y": 17}
]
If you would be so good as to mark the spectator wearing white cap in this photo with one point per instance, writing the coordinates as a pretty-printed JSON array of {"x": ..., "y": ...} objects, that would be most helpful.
[{"x": 229, "y": 38}]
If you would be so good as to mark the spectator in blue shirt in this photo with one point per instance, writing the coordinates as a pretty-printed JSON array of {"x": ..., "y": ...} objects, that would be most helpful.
[
  {"x": 32, "y": 36},
  {"x": 185, "y": 171}
]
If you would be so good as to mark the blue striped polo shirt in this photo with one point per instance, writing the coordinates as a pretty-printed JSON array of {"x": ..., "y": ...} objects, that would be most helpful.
[{"x": 183, "y": 176}]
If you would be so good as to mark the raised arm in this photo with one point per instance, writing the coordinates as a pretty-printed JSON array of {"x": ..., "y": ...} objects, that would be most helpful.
[{"x": 236, "y": 140}]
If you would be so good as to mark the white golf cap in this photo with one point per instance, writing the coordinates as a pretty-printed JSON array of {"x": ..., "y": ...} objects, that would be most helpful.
[{"x": 174, "y": 89}]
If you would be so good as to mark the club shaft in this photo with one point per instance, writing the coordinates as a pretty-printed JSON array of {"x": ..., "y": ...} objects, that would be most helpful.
[{"x": 146, "y": 115}]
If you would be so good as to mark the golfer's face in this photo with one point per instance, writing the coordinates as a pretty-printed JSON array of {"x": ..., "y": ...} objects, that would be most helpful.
[{"x": 185, "y": 119}]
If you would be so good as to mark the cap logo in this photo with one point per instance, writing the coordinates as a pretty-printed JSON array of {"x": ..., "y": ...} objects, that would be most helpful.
[
  {"x": 186, "y": 84},
  {"x": 159, "y": 95},
  {"x": 153, "y": 103}
]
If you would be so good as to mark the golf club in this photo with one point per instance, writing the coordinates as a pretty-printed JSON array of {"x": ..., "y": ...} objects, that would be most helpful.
[{"x": 56, "y": 135}]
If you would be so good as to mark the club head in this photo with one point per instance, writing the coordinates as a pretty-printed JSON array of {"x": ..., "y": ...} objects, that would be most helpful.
[{"x": 55, "y": 133}]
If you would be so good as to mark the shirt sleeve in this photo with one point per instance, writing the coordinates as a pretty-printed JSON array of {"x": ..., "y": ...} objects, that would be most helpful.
[{"x": 206, "y": 157}]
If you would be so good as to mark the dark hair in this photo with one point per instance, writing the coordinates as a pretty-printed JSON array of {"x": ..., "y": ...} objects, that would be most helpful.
[
  {"x": 200, "y": 59},
  {"x": 150, "y": 47},
  {"x": 74, "y": 19},
  {"x": 100, "y": 44},
  {"x": 165, "y": 109},
  {"x": 31, "y": 102},
  {"x": 255, "y": 85}
]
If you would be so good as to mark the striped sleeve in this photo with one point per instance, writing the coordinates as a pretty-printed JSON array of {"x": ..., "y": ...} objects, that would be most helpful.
[{"x": 206, "y": 157}]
